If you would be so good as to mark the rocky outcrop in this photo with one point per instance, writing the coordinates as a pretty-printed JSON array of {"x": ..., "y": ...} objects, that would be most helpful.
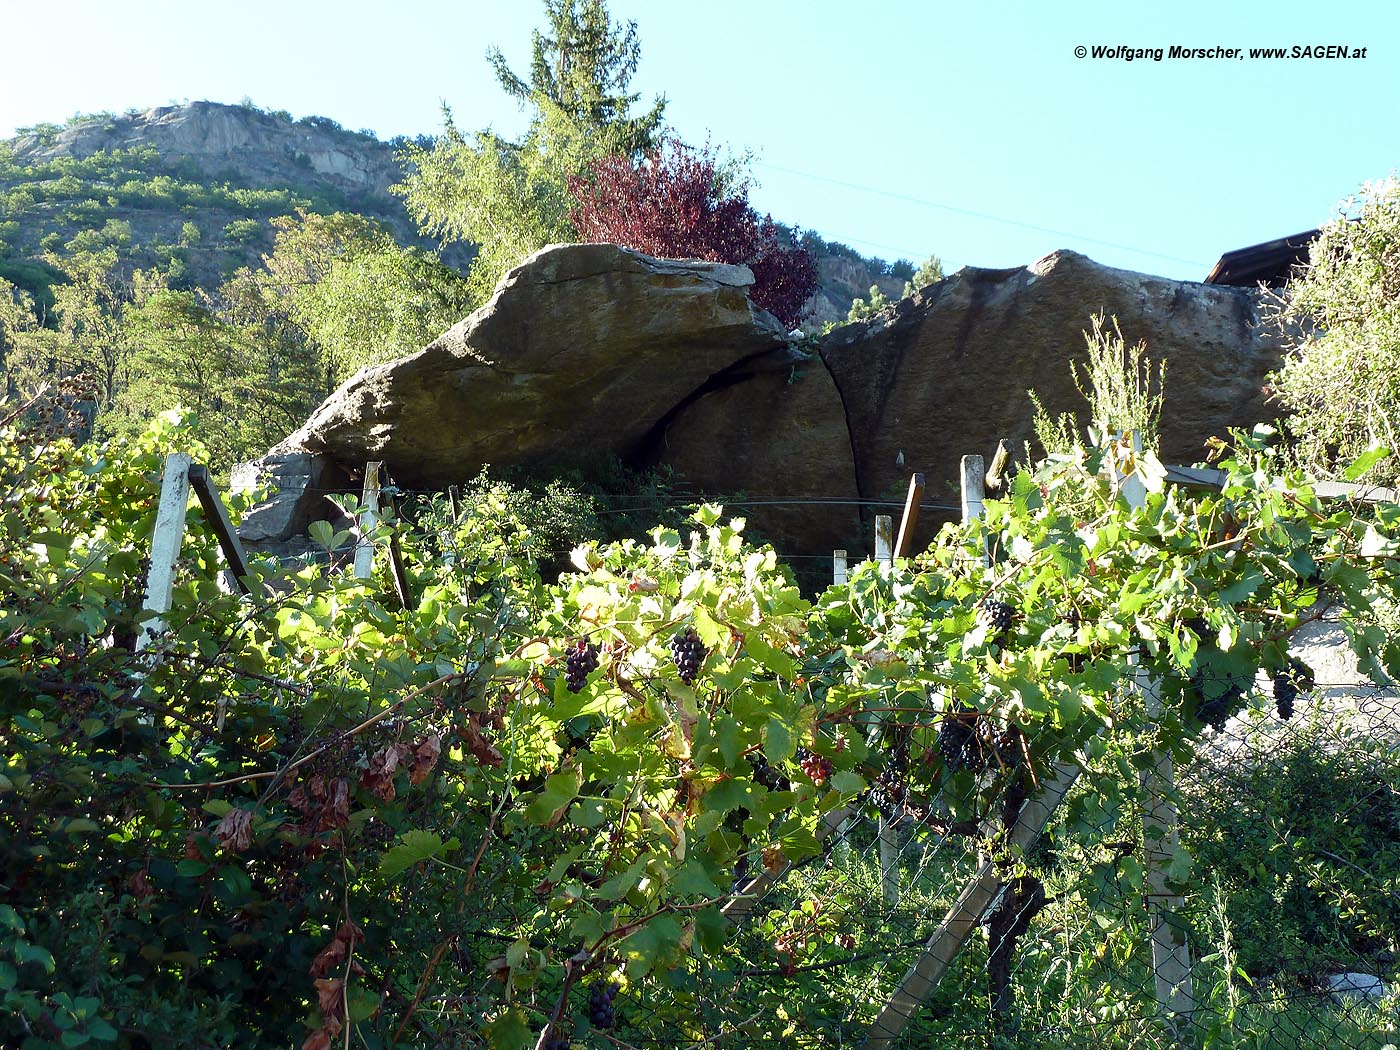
[
  {"x": 945, "y": 373},
  {"x": 582, "y": 352},
  {"x": 256, "y": 147},
  {"x": 588, "y": 349},
  {"x": 294, "y": 483},
  {"x": 841, "y": 279},
  {"x": 772, "y": 432}
]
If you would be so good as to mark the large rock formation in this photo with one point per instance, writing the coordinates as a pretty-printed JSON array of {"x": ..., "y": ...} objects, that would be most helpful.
[
  {"x": 591, "y": 348},
  {"x": 584, "y": 351},
  {"x": 945, "y": 373}
]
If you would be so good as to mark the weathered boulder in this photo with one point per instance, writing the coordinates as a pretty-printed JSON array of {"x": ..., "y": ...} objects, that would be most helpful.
[
  {"x": 296, "y": 483},
  {"x": 592, "y": 349},
  {"x": 581, "y": 353},
  {"x": 772, "y": 429},
  {"x": 945, "y": 373}
]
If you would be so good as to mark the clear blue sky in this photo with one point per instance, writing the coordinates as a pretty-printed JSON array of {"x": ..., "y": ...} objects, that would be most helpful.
[{"x": 902, "y": 127}]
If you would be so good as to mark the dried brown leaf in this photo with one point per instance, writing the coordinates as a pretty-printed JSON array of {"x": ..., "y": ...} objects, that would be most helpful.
[
  {"x": 479, "y": 745},
  {"x": 379, "y": 777},
  {"x": 425, "y": 758},
  {"x": 330, "y": 996},
  {"x": 235, "y": 830}
]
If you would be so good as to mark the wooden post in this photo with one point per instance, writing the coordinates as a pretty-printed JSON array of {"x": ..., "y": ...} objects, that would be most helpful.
[
  {"x": 884, "y": 540},
  {"x": 963, "y": 917},
  {"x": 994, "y": 473},
  {"x": 166, "y": 540},
  {"x": 447, "y": 538},
  {"x": 217, "y": 516},
  {"x": 887, "y": 830},
  {"x": 742, "y": 904},
  {"x": 369, "y": 515},
  {"x": 973, "y": 479},
  {"x": 839, "y": 575},
  {"x": 397, "y": 567},
  {"x": 910, "y": 517},
  {"x": 1171, "y": 954}
]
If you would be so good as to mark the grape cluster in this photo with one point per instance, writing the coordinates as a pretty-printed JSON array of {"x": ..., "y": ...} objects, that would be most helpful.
[
  {"x": 1288, "y": 683},
  {"x": 689, "y": 654},
  {"x": 958, "y": 741},
  {"x": 600, "y": 1005},
  {"x": 818, "y": 767},
  {"x": 969, "y": 740},
  {"x": 1215, "y": 710},
  {"x": 890, "y": 788},
  {"x": 337, "y": 756},
  {"x": 1001, "y": 746},
  {"x": 377, "y": 833},
  {"x": 888, "y": 792},
  {"x": 558, "y": 1042},
  {"x": 582, "y": 660},
  {"x": 294, "y": 733},
  {"x": 996, "y": 616},
  {"x": 765, "y": 774}
]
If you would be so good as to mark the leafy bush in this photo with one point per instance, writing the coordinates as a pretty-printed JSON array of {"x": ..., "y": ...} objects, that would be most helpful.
[
  {"x": 1304, "y": 839},
  {"x": 675, "y": 203},
  {"x": 245, "y": 231},
  {"x": 1342, "y": 315},
  {"x": 326, "y": 813}
]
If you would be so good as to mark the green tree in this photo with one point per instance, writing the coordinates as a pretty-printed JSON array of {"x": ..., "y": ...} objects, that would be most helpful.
[
  {"x": 1340, "y": 379},
  {"x": 90, "y": 308},
  {"x": 512, "y": 198},
  {"x": 16, "y": 322},
  {"x": 352, "y": 296},
  {"x": 929, "y": 273},
  {"x": 246, "y": 395},
  {"x": 582, "y": 65}
]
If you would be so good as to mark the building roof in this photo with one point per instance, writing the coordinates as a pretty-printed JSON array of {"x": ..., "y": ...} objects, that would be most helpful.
[{"x": 1270, "y": 263}]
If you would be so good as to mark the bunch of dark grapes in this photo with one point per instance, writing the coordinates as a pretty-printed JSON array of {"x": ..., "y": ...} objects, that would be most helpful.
[
  {"x": 891, "y": 786},
  {"x": 600, "y": 1005},
  {"x": 889, "y": 791},
  {"x": 1288, "y": 683},
  {"x": 293, "y": 734},
  {"x": 996, "y": 616},
  {"x": 558, "y": 1042},
  {"x": 689, "y": 654},
  {"x": 818, "y": 767},
  {"x": 765, "y": 774},
  {"x": 958, "y": 740},
  {"x": 581, "y": 661},
  {"x": 1215, "y": 710},
  {"x": 1002, "y": 744},
  {"x": 377, "y": 833}
]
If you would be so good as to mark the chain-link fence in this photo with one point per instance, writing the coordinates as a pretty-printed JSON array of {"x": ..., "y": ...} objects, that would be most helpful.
[{"x": 931, "y": 919}]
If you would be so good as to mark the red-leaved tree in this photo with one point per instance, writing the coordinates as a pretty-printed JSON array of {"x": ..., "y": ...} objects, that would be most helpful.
[{"x": 672, "y": 204}]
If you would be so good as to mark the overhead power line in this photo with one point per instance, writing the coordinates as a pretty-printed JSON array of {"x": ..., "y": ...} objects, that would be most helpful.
[{"x": 969, "y": 213}]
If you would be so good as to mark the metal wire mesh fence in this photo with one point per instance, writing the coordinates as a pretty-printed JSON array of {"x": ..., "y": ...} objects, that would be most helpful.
[{"x": 1290, "y": 912}]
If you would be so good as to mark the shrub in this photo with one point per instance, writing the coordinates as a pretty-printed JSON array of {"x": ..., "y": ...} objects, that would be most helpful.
[
  {"x": 1305, "y": 842},
  {"x": 1343, "y": 315},
  {"x": 676, "y": 203}
]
